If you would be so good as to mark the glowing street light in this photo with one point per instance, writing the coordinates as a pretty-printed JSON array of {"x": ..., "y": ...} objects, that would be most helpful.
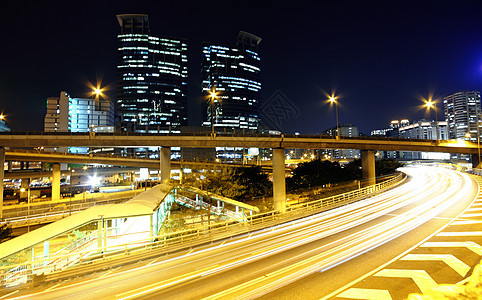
[
  {"x": 213, "y": 95},
  {"x": 431, "y": 105},
  {"x": 96, "y": 93},
  {"x": 334, "y": 101}
]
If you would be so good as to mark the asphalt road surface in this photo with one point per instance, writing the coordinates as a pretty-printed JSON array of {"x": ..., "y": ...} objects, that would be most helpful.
[{"x": 310, "y": 258}]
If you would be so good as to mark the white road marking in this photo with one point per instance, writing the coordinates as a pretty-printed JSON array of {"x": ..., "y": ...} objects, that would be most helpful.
[
  {"x": 456, "y": 264},
  {"x": 366, "y": 294},
  {"x": 421, "y": 278}
]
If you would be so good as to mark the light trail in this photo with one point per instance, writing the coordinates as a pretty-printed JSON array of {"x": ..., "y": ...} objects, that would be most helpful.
[{"x": 376, "y": 220}]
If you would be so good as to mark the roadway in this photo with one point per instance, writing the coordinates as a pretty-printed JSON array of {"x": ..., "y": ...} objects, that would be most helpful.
[{"x": 309, "y": 258}]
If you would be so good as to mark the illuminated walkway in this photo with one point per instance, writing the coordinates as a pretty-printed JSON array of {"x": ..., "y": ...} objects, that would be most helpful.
[{"x": 104, "y": 228}]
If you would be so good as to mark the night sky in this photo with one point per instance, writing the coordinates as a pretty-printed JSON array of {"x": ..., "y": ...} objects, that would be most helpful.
[{"x": 379, "y": 56}]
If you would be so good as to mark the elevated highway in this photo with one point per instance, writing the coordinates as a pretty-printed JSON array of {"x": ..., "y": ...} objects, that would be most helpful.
[
  {"x": 221, "y": 140},
  {"x": 277, "y": 143}
]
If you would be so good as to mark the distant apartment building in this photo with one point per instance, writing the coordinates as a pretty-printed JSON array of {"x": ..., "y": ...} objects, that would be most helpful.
[
  {"x": 234, "y": 73},
  {"x": 152, "y": 78},
  {"x": 67, "y": 114},
  {"x": 426, "y": 130},
  {"x": 347, "y": 130},
  {"x": 391, "y": 131},
  {"x": 462, "y": 113}
]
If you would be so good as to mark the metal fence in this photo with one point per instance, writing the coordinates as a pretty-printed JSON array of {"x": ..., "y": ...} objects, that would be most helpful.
[{"x": 89, "y": 259}]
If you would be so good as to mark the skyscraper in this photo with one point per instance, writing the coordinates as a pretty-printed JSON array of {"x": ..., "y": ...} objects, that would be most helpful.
[
  {"x": 152, "y": 78},
  {"x": 462, "y": 113},
  {"x": 234, "y": 73}
]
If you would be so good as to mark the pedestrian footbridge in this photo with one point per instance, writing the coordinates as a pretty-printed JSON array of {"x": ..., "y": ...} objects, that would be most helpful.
[{"x": 105, "y": 228}]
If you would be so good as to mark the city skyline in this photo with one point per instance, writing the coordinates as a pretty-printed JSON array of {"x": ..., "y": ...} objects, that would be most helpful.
[{"x": 380, "y": 58}]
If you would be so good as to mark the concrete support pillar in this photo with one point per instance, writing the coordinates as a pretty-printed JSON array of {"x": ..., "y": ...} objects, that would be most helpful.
[
  {"x": 100, "y": 225},
  {"x": 10, "y": 165},
  {"x": 55, "y": 182},
  {"x": 2, "y": 175},
  {"x": 279, "y": 184},
  {"x": 368, "y": 166},
  {"x": 475, "y": 160},
  {"x": 165, "y": 164},
  {"x": 46, "y": 252}
]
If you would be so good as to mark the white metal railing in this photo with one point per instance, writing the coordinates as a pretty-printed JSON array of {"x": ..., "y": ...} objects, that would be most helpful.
[{"x": 225, "y": 229}]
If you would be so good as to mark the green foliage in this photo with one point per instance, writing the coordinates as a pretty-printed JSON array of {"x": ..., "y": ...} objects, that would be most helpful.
[
  {"x": 238, "y": 183},
  {"x": 173, "y": 225},
  {"x": 386, "y": 166},
  {"x": 321, "y": 172},
  {"x": 5, "y": 232}
]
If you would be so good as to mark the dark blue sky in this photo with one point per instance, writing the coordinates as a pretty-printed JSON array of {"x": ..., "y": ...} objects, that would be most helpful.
[{"x": 379, "y": 55}]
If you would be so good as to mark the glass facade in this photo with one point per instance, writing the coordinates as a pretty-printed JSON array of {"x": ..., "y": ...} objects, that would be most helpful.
[
  {"x": 152, "y": 79},
  {"x": 234, "y": 73},
  {"x": 462, "y": 113},
  {"x": 67, "y": 114}
]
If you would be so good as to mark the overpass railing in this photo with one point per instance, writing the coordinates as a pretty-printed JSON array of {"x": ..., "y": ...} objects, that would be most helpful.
[
  {"x": 239, "y": 133},
  {"x": 88, "y": 259}
]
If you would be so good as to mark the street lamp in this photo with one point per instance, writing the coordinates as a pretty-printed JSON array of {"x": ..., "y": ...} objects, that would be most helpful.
[
  {"x": 334, "y": 101},
  {"x": 96, "y": 93},
  {"x": 213, "y": 95},
  {"x": 431, "y": 104}
]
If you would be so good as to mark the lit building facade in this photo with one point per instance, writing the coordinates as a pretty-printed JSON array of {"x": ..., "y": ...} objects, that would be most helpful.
[
  {"x": 347, "y": 130},
  {"x": 391, "y": 131},
  {"x": 424, "y": 130},
  {"x": 152, "y": 78},
  {"x": 3, "y": 125},
  {"x": 462, "y": 113},
  {"x": 67, "y": 114},
  {"x": 234, "y": 73}
]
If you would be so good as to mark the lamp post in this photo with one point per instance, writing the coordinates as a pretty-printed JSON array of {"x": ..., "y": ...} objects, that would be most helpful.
[
  {"x": 213, "y": 95},
  {"x": 333, "y": 100},
  {"x": 95, "y": 93},
  {"x": 431, "y": 104},
  {"x": 477, "y": 111}
]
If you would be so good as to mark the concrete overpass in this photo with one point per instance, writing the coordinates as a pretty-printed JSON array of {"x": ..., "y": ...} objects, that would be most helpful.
[
  {"x": 277, "y": 142},
  {"x": 201, "y": 140}
]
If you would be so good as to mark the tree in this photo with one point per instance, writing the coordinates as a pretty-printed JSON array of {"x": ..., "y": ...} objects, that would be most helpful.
[
  {"x": 386, "y": 166},
  {"x": 5, "y": 232},
  {"x": 237, "y": 183}
]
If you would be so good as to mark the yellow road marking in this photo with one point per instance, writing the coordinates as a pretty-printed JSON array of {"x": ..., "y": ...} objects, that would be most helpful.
[
  {"x": 421, "y": 278},
  {"x": 466, "y": 222},
  {"x": 366, "y": 294},
  {"x": 449, "y": 259},
  {"x": 52, "y": 287},
  {"x": 461, "y": 233},
  {"x": 7, "y": 295},
  {"x": 472, "y": 246}
]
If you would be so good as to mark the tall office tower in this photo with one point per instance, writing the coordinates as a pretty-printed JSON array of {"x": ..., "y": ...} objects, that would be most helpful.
[
  {"x": 462, "y": 113},
  {"x": 152, "y": 78},
  {"x": 234, "y": 73}
]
